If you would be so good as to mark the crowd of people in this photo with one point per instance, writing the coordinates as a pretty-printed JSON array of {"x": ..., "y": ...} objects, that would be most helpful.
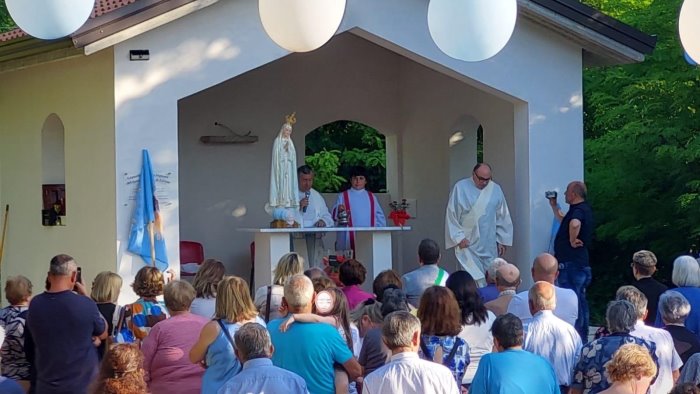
[{"x": 428, "y": 331}]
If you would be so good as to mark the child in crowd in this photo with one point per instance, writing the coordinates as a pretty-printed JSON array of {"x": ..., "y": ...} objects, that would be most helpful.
[{"x": 121, "y": 372}]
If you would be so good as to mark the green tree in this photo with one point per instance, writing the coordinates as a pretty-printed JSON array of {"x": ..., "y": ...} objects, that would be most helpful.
[
  {"x": 333, "y": 149},
  {"x": 6, "y": 23},
  {"x": 642, "y": 150}
]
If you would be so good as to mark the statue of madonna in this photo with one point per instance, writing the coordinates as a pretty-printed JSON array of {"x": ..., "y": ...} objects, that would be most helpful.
[{"x": 283, "y": 174}]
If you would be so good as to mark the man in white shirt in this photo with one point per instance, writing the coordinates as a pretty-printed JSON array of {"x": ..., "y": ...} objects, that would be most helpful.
[
  {"x": 313, "y": 212},
  {"x": 549, "y": 336},
  {"x": 406, "y": 373},
  {"x": 545, "y": 268},
  {"x": 669, "y": 361}
]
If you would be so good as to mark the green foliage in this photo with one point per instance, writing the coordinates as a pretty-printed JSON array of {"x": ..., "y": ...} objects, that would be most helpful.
[
  {"x": 642, "y": 150},
  {"x": 333, "y": 149},
  {"x": 6, "y": 23}
]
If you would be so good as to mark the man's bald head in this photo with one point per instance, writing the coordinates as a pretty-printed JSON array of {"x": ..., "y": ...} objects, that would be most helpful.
[
  {"x": 545, "y": 268},
  {"x": 542, "y": 297}
]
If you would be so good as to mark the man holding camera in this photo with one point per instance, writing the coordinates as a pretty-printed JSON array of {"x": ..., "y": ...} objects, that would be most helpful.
[
  {"x": 571, "y": 248},
  {"x": 477, "y": 222}
]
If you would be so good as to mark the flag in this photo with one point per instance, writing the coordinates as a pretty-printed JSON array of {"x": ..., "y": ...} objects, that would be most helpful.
[{"x": 146, "y": 235}]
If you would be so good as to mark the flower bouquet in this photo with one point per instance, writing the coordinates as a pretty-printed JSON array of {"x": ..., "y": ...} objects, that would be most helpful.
[{"x": 398, "y": 212}]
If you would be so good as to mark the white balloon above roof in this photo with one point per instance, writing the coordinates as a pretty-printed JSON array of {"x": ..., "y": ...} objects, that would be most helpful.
[
  {"x": 50, "y": 19},
  {"x": 472, "y": 30},
  {"x": 689, "y": 28},
  {"x": 301, "y": 25}
]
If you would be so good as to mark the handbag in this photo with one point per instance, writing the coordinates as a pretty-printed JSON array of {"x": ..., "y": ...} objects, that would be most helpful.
[{"x": 122, "y": 333}]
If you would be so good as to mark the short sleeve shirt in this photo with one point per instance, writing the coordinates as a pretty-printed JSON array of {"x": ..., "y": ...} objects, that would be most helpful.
[
  {"x": 562, "y": 247},
  {"x": 589, "y": 373},
  {"x": 310, "y": 350},
  {"x": 62, "y": 326}
]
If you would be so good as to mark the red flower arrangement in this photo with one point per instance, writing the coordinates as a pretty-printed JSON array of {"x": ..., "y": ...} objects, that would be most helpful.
[{"x": 398, "y": 212}]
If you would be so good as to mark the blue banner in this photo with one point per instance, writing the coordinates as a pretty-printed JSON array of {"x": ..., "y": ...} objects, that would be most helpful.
[{"x": 146, "y": 235}]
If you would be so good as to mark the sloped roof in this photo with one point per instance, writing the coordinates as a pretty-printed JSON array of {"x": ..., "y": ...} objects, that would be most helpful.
[{"x": 604, "y": 39}]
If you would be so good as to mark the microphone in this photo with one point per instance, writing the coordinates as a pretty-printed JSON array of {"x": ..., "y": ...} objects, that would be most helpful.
[{"x": 306, "y": 195}]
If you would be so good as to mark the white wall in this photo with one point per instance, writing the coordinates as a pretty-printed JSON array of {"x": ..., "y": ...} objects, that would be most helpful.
[{"x": 535, "y": 148}]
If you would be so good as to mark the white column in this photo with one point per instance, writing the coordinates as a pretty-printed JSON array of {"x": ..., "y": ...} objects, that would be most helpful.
[
  {"x": 373, "y": 250},
  {"x": 269, "y": 248}
]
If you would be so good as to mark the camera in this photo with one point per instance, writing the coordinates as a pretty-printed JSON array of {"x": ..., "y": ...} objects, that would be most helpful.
[{"x": 550, "y": 194}]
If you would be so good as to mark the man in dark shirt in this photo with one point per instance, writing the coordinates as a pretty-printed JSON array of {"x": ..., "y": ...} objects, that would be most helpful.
[
  {"x": 643, "y": 267},
  {"x": 571, "y": 248},
  {"x": 62, "y": 326}
]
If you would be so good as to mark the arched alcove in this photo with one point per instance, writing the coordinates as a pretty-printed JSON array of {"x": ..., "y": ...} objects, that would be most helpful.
[
  {"x": 334, "y": 148},
  {"x": 53, "y": 170},
  {"x": 466, "y": 147}
]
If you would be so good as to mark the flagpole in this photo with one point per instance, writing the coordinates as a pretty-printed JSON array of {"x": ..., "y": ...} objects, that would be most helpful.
[
  {"x": 152, "y": 236},
  {"x": 4, "y": 231}
]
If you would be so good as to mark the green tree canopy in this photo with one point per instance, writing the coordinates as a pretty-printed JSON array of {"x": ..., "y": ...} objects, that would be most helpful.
[
  {"x": 6, "y": 23},
  {"x": 642, "y": 151},
  {"x": 333, "y": 149}
]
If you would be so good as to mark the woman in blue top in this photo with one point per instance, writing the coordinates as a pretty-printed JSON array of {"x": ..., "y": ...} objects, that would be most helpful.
[
  {"x": 686, "y": 275},
  {"x": 440, "y": 319},
  {"x": 214, "y": 349}
]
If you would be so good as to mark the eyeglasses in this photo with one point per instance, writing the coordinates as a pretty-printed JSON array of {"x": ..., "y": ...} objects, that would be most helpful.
[{"x": 481, "y": 178}]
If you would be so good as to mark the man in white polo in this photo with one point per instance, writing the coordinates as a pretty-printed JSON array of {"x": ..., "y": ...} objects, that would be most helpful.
[{"x": 406, "y": 373}]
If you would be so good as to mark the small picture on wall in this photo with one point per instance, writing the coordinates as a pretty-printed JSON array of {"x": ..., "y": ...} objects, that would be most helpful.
[{"x": 54, "y": 197}]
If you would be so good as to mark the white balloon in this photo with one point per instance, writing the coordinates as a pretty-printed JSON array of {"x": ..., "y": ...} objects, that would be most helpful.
[
  {"x": 301, "y": 25},
  {"x": 689, "y": 28},
  {"x": 50, "y": 19},
  {"x": 471, "y": 30}
]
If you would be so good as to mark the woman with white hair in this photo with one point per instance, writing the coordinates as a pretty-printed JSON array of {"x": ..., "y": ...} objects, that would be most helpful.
[
  {"x": 686, "y": 275},
  {"x": 674, "y": 310}
]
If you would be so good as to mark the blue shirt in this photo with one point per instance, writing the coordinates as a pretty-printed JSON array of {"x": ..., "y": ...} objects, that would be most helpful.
[
  {"x": 514, "y": 372},
  {"x": 309, "y": 350},
  {"x": 222, "y": 363},
  {"x": 62, "y": 325},
  {"x": 9, "y": 386},
  {"x": 692, "y": 322},
  {"x": 488, "y": 293},
  {"x": 260, "y": 376},
  {"x": 589, "y": 373}
]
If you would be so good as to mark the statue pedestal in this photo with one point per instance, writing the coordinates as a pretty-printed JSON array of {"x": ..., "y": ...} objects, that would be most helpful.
[{"x": 372, "y": 248}]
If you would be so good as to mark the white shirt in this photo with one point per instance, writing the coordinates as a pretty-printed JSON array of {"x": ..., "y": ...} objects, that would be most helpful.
[
  {"x": 555, "y": 340},
  {"x": 360, "y": 214},
  {"x": 480, "y": 342},
  {"x": 566, "y": 309},
  {"x": 669, "y": 360},
  {"x": 406, "y": 373},
  {"x": 315, "y": 211}
]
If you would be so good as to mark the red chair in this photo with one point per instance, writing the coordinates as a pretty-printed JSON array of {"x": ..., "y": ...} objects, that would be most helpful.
[{"x": 190, "y": 252}]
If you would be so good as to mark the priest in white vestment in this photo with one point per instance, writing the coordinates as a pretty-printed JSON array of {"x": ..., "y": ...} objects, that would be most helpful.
[
  {"x": 477, "y": 222},
  {"x": 313, "y": 212},
  {"x": 362, "y": 206}
]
